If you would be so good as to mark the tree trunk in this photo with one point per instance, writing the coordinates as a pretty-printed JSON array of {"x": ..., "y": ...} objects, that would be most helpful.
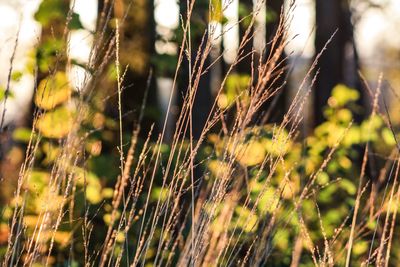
[
  {"x": 339, "y": 63},
  {"x": 275, "y": 109},
  {"x": 203, "y": 97},
  {"x": 137, "y": 36},
  {"x": 245, "y": 8}
]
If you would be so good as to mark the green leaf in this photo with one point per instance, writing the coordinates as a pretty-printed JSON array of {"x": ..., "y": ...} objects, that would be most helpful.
[
  {"x": 322, "y": 178},
  {"x": 388, "y": 137},
  {"x": 22, "y": 134},
  {"x": 16, "y": 76},
  {"x": 46, "y": 55},
  {"x": 75, "y": 22},
  {"x": 50, "y": 10},
  {"x": 160, "y": 194},
  {"x": 271, "y": 16},
  {"x": 246, "y": 220},
  {"x": 165, "y": 65},
  {"x": 282, "y": 238},
  {"x": 38, "y": 181},
  {"x": 51, "y": 152},
  {"x": 342, "y": 95},
  {"x": 348, "y": 186},
  {"x": 269, "y": 201},
  {"x": 93, "y": 186},
  {"x": 326, "y": 194},
  {"x": 244, "y": 12},
  {"x": 3, "y": 93}
]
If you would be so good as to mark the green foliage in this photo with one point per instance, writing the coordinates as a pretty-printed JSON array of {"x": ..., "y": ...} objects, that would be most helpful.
[
  {"x": 50, "y": 10},
  {"x": 3, "y": 93},
  {"x": 216, "y": 11},
  {"x": 235, "y": 88},
  {"x": 16, "y": 76},
  {"x": 56, "y": 10},
  {"x": 335, "y": 186},
  {"x": 53, "y": 91},
  {"x": 75, "y": 22},
  {"x": 57, "y": 123},
  {"x": 271, "y": 16},
  {"x": 273, "y": 180},
  {"x": 47, "y": 52},
  {"x": 22, "y": 134},
  {"x": 244, "y": 12},
  {"x": 165, "y": 63}
]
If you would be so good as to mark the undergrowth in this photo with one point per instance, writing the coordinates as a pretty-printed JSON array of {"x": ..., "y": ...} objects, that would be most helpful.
[{"x": 241, "y": 194}]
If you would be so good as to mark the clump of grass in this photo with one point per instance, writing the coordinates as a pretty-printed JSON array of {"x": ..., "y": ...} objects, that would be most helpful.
[{"x": 195, "y": 221}]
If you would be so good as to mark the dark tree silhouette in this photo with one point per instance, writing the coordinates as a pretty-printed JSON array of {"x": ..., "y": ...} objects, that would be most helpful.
[
  {"x": 136, "y": 50},
  {"x": 339, "y": 63},
  {"x": 245, "y": 9},
  {"x": 276, "y": 108},
  {"x": 203, "y": 97}
]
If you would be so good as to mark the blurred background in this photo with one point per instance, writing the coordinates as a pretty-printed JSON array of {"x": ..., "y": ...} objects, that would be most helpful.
[{"x": 366, "y": 40}]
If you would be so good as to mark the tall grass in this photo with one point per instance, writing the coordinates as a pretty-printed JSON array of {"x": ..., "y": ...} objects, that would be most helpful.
[{"x": 193, "y": 221}]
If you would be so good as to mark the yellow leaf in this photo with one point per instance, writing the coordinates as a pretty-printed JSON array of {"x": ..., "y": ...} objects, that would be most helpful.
[
  {"x": 93, "y": 186},
  {"x": 49, "y": 202},
  {"x": 62, "y": 237},
  {"x": 360, "y": 247},
  {"x": 246, "y": 220},
  {"x": 56, "y": 124},
  {"x": 107, "y": 192},
  {"x": 250, "y": 154},
  {"x": 93, "y": 194},
  {"x": 219, "y": 168},
  {"x": 31, "y": 221},
  {"x": 53, "y": 91},
  {"x": 51, "y": 151}
]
